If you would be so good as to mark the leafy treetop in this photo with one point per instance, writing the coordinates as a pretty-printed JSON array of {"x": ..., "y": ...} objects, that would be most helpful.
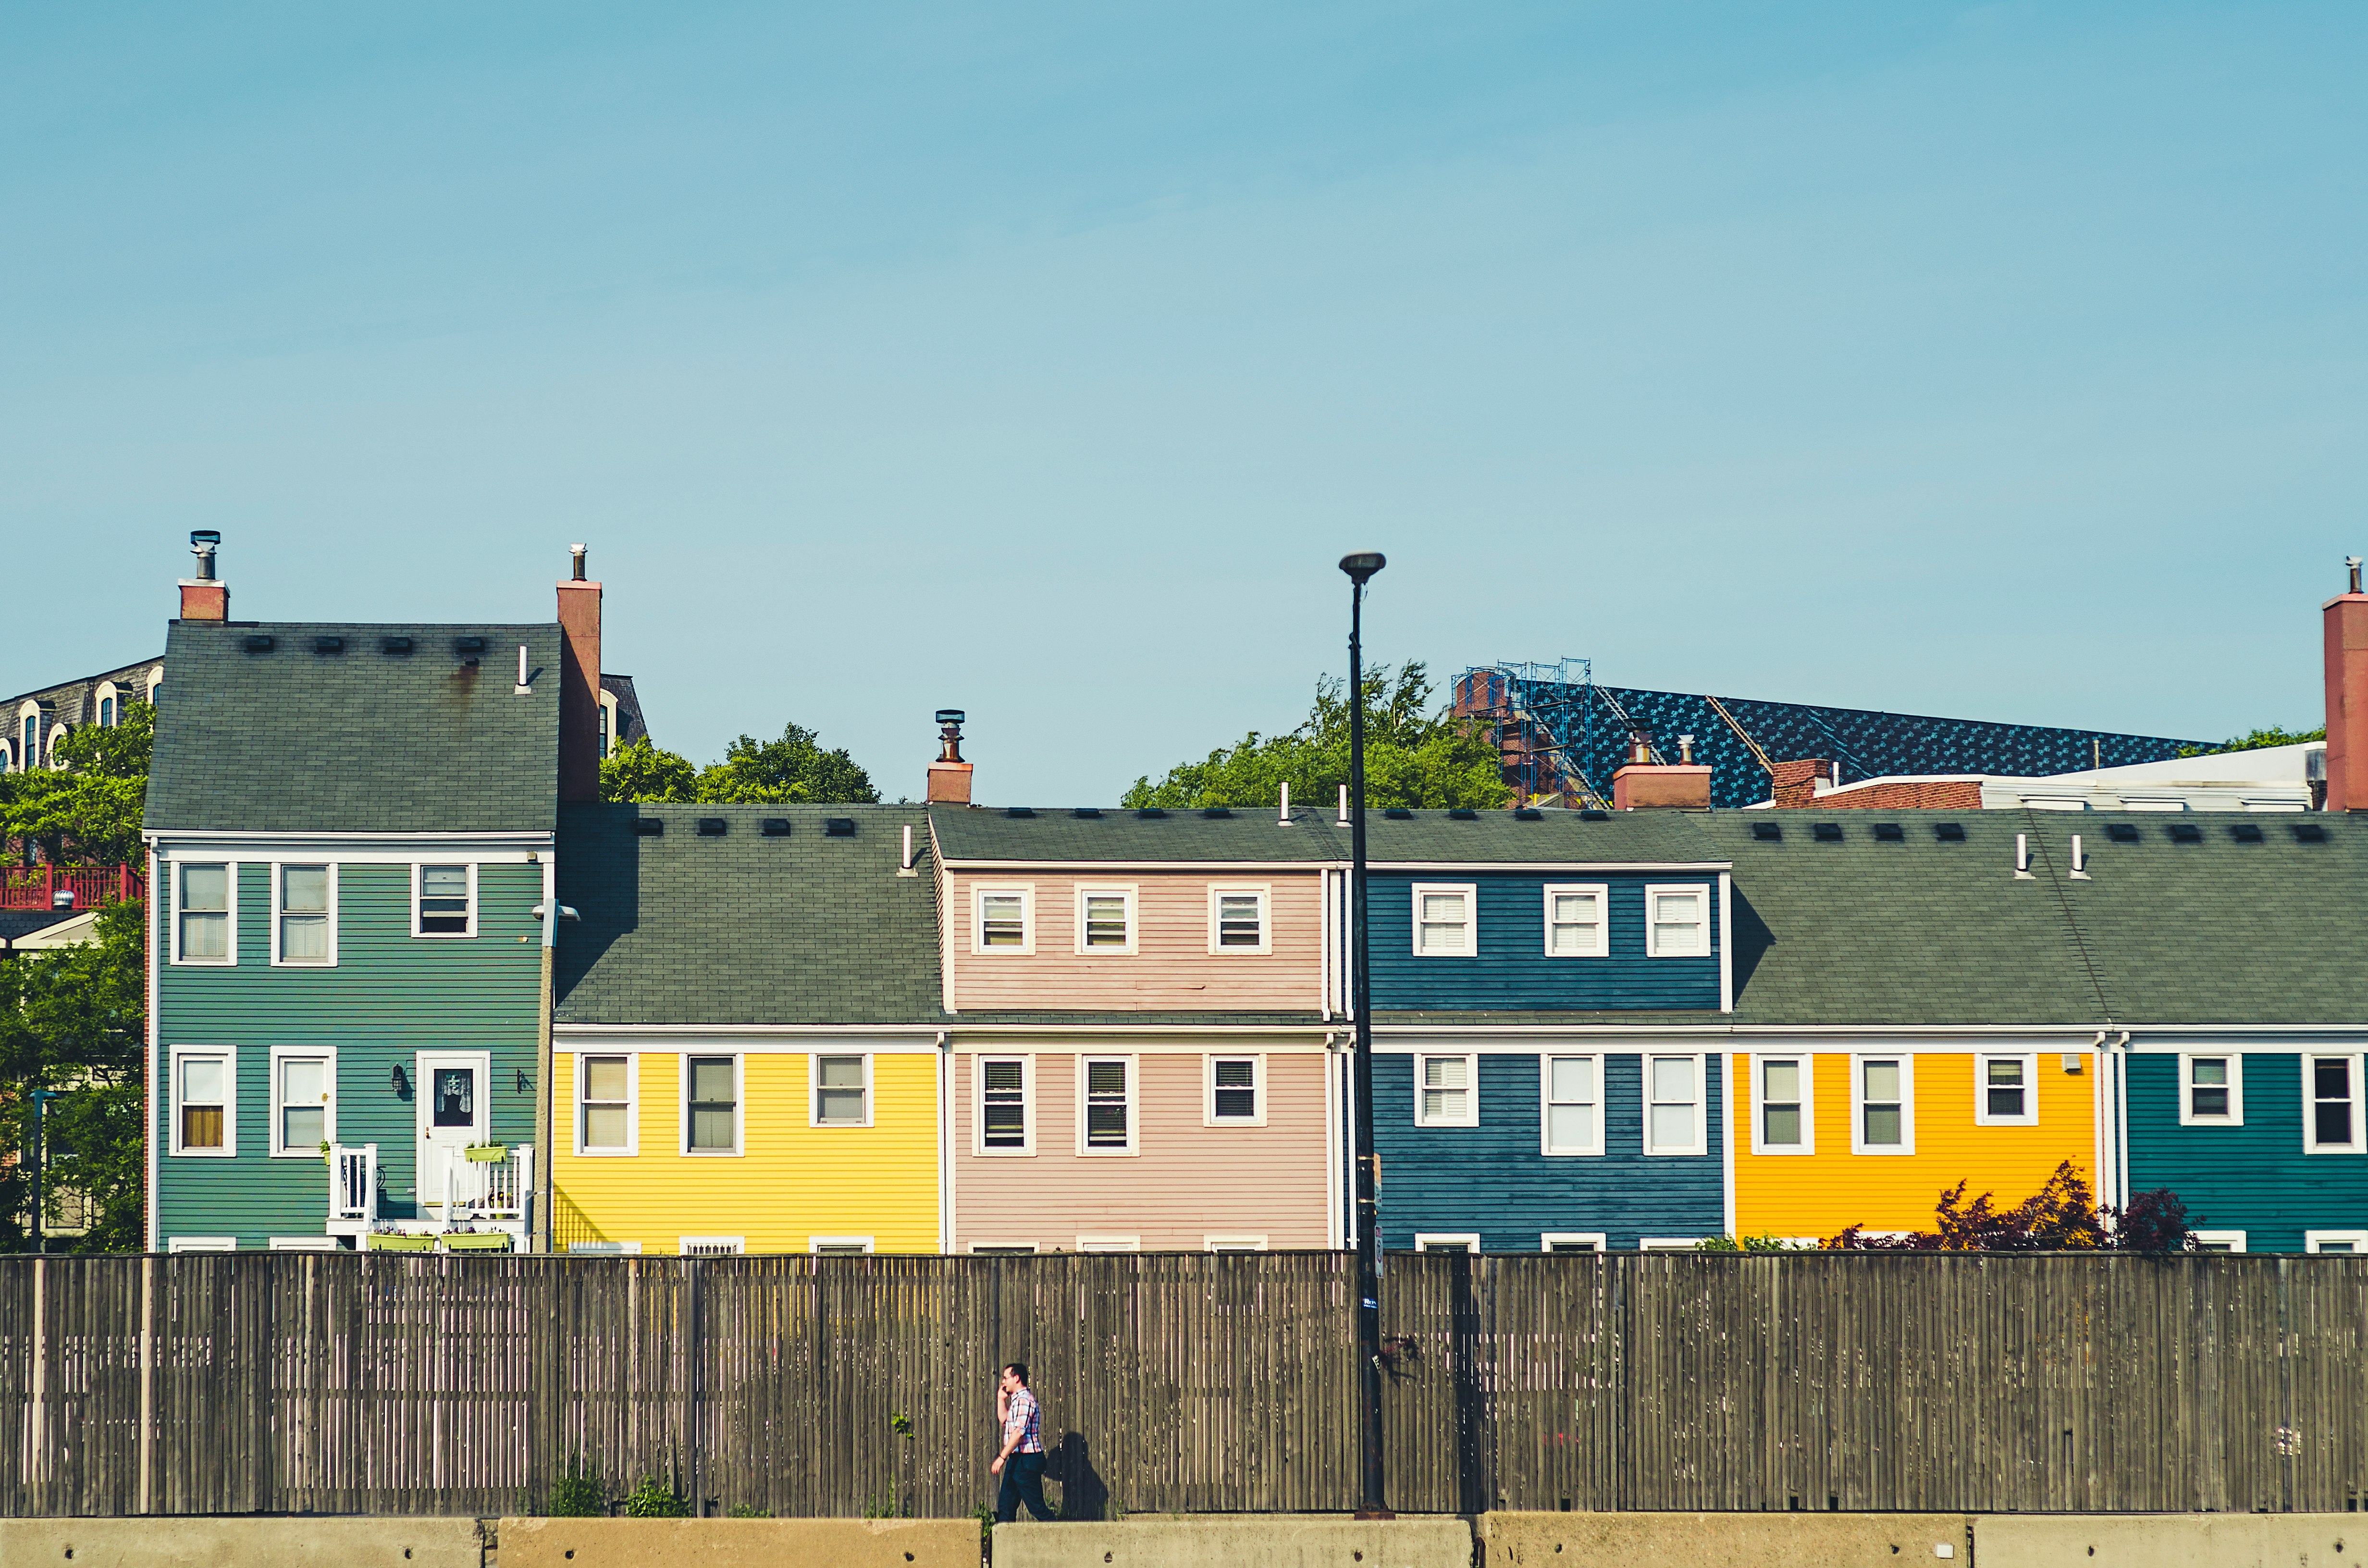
[
  {"x": 2062, "y": 1216},
  {"x": 792, "y": 769},
  {"x": 87, "y": 809},
  {"x": 2255, "y": 739}
]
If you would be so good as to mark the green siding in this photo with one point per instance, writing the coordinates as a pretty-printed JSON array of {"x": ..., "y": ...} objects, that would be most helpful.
[
  {"x": 390, "y": 995},
  {"x": 2253, "y": 1178}
]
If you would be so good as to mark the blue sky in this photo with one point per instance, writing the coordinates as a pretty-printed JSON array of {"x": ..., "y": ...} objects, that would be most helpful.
[{"x": 2002, "y": 362}]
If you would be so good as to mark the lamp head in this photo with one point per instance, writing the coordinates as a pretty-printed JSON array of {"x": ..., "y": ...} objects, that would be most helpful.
[{"x": 1361, "y": 567}]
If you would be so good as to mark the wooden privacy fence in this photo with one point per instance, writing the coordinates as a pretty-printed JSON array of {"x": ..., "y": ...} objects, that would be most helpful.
[{"x": 380, "y": 1382}]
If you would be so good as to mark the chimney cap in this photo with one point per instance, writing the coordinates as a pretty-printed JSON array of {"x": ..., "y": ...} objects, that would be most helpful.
[
  {"x": 576, "y": 552},
  {"x": 949, "y": 716},
  {"x": 203, "y": 536}
]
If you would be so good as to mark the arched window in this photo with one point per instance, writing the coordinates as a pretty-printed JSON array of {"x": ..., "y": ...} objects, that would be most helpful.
[
  {"x": 29, "y": 724},
  {"x": 57, "y": 732},
  {"x": 110, "y": 706},
  {"x": 608, "y": 724},
  {"x": 155, "y": 682}
]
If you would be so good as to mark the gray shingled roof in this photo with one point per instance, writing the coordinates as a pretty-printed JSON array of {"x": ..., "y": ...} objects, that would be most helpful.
[
  {"x": 360, "y": 741},
  {"x": 1553, "y": 835},
  {"x": 1058, "y": 834},
  {"x": 742, "y": 928}
]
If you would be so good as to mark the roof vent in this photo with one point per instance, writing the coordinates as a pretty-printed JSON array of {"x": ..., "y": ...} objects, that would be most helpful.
[
  {"x": 1949, "y": 832},
  {"x": 1011, "y": 812},
  {"x": 1149, "y": 814},
  {"x": 258, "y": 643},
  {"x": 711, "y": 827},
  {"x": 1825, "y": 832},
  {"x": 649, "y": 828},
  {"x": 774, "y": 828},
  {"x": 1216, "y": 810},
  {"x": 396, "y": 645},
  {"x": 838, "y": 827},
  {"x": 2122, "y": 832},
  {"x": 1397, "y": 813},
  {"x": 1088, "y": 813},
  {"x": 1890, "y": 832},
  {"x": 468, "y": 647},
  {"x": 328, "y": 644},
  {"x": 1767, "y": 832},
  {"x": 2246, "y": 831},
  {"x": 1594, "y": 815},
  {"x": 2186, "y": 833},
  {"x": 2310, "y": 833},
  {"x": 1528, "y": 814},
  {"x": 1464, "y": 814}
]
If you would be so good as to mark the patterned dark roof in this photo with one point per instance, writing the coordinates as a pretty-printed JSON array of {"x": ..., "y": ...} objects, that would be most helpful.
[{"x": 293, "y": 740}]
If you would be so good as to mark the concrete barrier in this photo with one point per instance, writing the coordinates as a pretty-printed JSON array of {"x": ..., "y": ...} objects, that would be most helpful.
[
  {"x": 2169, "y": 1540},
  {"x": 180, "y": 1542},
  {"x": 739, "y": 1543},
  {"x": 1237, "y": 1541},
  {"x": 1716, "y": 1541}
]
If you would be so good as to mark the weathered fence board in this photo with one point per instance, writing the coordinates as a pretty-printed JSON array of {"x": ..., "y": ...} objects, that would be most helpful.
[{"x": 319, "y": 1382}]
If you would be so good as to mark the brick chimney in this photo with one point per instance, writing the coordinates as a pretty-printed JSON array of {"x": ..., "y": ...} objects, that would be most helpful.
[
  {"x": 1646, "y": 783},
  {"x": 2345, "y": 620},
  {"x": 949, "y": 775},
  {"x": 579, "y": 685},
  {"x": 205, "y": 596},
  {"x": 1795, "y": 784}
]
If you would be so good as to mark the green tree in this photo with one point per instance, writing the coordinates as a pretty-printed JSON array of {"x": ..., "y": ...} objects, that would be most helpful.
[
  {"x": 792, "y": 769},
  {"x": 73, "y": 1021},
  {"x": 639, "y": 770},
  {"x": 1413, "y": 757},
  {"x": 2255, "y": 739},
  {"x": 86, "y": 811}
]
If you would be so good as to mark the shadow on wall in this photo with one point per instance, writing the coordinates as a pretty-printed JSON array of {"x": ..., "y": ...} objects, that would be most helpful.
[
  {"x": 1083, "y": 1495},
  {"x": 1752, "y": 941}
]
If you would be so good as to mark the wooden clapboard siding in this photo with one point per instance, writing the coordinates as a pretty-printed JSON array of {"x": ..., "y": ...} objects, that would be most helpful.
[
  {"x": 2254, "y": 1178},
  {"x": 791, "y": 1182},
  {"x": 1171, "y": 970},
  {"x": 1188, "y": 1182},
  {"x": 1511, "y": 970},
  {"x": 1669, "y": 1382},
  {"x": 389, "y": 996}
]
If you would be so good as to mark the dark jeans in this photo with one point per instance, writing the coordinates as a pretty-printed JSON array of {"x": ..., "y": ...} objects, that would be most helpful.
[{"x": 1023, "y": 1481}]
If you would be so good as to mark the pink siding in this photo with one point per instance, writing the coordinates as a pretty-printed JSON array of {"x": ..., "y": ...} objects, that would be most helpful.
[
  {"x": 1187, "y": 1182},
  {"x": 1171, "y": 970}
]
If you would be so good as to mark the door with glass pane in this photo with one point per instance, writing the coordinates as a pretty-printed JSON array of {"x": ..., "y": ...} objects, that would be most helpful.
[{"x": 450, "y": 1091}]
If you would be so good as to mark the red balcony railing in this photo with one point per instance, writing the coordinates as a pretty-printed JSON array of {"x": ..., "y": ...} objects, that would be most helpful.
[{"x": 39, "y": 887}]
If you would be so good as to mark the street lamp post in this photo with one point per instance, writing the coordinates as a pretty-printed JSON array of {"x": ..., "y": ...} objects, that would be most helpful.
[
  {"x": 40, "y": 1098},
  {"x": 1360, "y": 569}
]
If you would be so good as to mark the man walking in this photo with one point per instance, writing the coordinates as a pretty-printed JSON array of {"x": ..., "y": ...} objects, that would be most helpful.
[{"x": 1021, "y": 1463}]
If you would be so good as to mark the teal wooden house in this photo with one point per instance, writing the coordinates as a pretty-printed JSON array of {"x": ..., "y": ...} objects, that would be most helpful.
[{"x": 351, "y": 833}]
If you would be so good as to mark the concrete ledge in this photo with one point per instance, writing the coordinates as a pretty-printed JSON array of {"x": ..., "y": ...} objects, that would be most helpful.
[
  {"x": 738, "y": 1543},
  {"x": 1237, "y": 1541},
  {"x": 183, "y": 1542},
  {"x": 2169, "y": 1540},
  {"x": 1713, "y": 1540}
]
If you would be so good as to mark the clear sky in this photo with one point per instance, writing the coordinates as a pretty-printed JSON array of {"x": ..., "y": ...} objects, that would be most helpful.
[{"x": 2002, "y": 362}]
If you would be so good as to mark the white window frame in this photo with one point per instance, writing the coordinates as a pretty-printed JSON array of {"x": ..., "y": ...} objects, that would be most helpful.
[
  {"x": 815, "y": 1244},
  {"x": 1264, "y": 891},
  {"x": 1981, "y": 1116},
  {"x": 1127, "y": 893},
  {"x": 305, "y": 1243},
  {"x": 2236, "y": 1117},
  {"x": 1668, "y": 1244},
  {"x": 2310, "y": 1143},
  {"x": 709, "y": 1246},
  {"x": 230, "y": 917},
  {"x": 1026, "y": 892},
  {"x": 813, "y": 1092},
  {"x": 1471, "y": 1060},
  {"x": 1026, "y": 1106},
  {"x": 632, "y": 1107},
  {"x": 1758, "y": 1092},
  {"x": 1471, "y": 891},
  {"x": 279, "y": 912},
  {"x": 1654, "y": 890},
  {"x": 155, "y": 679},
  {"x": 1110, "y": 1243},
  {"x": 1011, "y": 1249},
  {"x": 229, "y": 1056},
  {"x": 1601, "y": 894},
  {"x": 1594, "y": 1147},
  {"x": 108, "y": 692},
  {"x": 200, "y": 1243},
  {"x": 1134, "y": 1146},
  {"x": 1701, "y": 1144},
  {"x": 327, "y": 1057},
  {"x": 739, "y": 1106},
  {"x": 1234, "y": 1243},
  {"x": 604, "y": 1249},
  {"x": 1446, "y": 1241},
  {"x": 1576, "y": 1240},
  {"x": 2314, "y": 1241},
  {"x": 1209, "y": 1117},
  {"x": 418, "y": 885},
  {"x": 1906, "y": 1144},
  {"x": 2233, "y": 1240}
]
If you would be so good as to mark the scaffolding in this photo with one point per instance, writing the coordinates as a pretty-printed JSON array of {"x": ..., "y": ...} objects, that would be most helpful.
[{"x": 1543, "y": 718}]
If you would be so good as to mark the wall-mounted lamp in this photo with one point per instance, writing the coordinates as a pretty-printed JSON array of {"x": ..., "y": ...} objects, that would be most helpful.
[
  {"x": 522, "y": 1080},
  {"x": 397, "y": 1082}
]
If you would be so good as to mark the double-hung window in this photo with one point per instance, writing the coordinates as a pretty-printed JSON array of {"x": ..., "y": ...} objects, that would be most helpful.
[
  {"x": 1106, "y": 921},
  {"x": 444, "y": 901},
  {"x": 1106, "y": 1112},
  {"x": 2211, "y": 1090},
  {"x": 2006, "y": 1091},
  {"x": 1677, "y": 920},
  {"x": 1007, "y": 1124},
  {"x": 1575, "y": 924},
  {"x": 1573, "y": 1088},
  {"x": 1446, "y": 1091},
  {"x": 305, "y": 922},
  {"x": 1882, "y": 1119},
  {"x": 1785, "y": 1123},
  {"x": 1446, "y": 923},
  {"x": 842, "y": 1091},
  {"x": 605, "y": 1102},
  {"x": 1236, "y": 1091},
  {"x": 1238, "y": 920},
  {"x": 1673, "y": 1104},
  {"x": 711, "y": 1105},
  {"x": 303, "y": 1111},
  {"x": 2330, "y": 1087},
  {"x": 203, "y": 908},
  {"x": 205, "y": 1107},
  {"x": 1004, "y": 920}
]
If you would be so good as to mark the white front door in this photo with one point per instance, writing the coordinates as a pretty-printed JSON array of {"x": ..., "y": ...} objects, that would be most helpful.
[{"x": 451, "y": 1097}]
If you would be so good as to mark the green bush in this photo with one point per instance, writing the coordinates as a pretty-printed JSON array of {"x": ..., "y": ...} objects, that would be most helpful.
[
  {"x": 748, "y": 1511},
  {"x": 578, "y": 1496},
  {"x": 654, "y": 1499}
]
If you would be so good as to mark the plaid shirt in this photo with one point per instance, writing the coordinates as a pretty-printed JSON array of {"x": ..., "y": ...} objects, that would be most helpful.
[{"x": 1020, "y": 1415}]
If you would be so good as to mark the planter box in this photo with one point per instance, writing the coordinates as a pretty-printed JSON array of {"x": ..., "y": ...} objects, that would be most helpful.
[
  {"x": 476, "y": 1241},
  {"x": 380, "y": 1242},
  {"x": 491, "y": 1153}
]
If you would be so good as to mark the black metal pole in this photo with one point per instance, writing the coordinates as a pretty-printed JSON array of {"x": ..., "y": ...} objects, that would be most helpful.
[
  {"x": 1369, "y": 1210},
  {"x": 40, "y": 1102}
]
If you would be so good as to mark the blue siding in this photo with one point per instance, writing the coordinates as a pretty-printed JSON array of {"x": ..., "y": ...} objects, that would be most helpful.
[
  {"x": 1512, "y": 971},
  {"x": 1493, "y": 1179},
  {"x": 2253, "y": 1178}
]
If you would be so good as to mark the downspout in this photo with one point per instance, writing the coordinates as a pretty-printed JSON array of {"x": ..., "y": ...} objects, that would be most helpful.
[
  {"x": 2122, "y": 1115},
  {"x": 542, "y": 1069},
  {"x": 159, "y": 1090},
  {"x": 945, "y": 1142}
]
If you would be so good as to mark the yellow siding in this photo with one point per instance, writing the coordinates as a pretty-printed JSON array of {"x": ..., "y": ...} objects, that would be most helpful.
[
  {"x": 1819, "y": 1194},
  {"x": 791, "y": 1183}
]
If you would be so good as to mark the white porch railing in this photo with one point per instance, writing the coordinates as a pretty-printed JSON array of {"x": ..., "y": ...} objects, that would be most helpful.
[
  {"x": 488, "y": 1192},
  {"x": 353, "y": 1189}
]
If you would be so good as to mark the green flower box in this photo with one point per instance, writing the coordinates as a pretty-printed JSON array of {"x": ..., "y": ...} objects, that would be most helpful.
[
  {"x": 476, "y": 1241},
  {"x": 377, "y": 1240},
  {"x": 489, "y": 1154}
]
